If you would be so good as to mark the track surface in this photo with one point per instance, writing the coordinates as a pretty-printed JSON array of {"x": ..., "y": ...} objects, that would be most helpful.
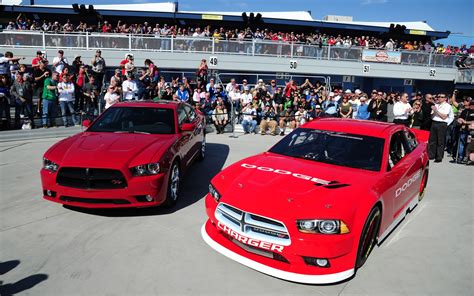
[{"x": 47, "y": 249}]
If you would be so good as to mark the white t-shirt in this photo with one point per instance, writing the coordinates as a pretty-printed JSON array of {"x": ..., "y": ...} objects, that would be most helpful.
[
  {"x": 246, "y": 98},
  {"x": 61, "y": 64},
  {"x": 248, "y": 112},
  {"x": 443, "y": 108},
  {"x": 401, "y": 110},
  {"x": 197, "y": 97},
  {"x": 129, "y": 88},
  {"x": 66, "y": 91},
  {"x": 110, "y": 99}
]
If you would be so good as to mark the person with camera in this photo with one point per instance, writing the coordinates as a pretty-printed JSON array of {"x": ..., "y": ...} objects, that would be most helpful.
[
  {"x": 40, "y": 74},
  {"x": 60, "y": 62},
  {"x": 98, "y": 68},
  {"x": 90, "y": 92},
  {"x": 220, "y": 117},
  {"x": 268, "y": 121},
  {"x": 465, "y": 119},
  {"x": 201, "y": 73},
  {"x": 129, "y": 88},
  {"x": 66, "y": 100}
]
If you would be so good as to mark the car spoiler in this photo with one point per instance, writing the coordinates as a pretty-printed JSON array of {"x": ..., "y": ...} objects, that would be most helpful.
[{"x": 421, "y": 135}]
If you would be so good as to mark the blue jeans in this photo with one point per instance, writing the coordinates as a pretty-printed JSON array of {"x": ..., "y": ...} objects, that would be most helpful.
[
  {"x": 69, "y": 105},
  {"x": 249, "y": 125},
  {"x": 49, "y": 112},
  {"x": 461, "y": 151}
]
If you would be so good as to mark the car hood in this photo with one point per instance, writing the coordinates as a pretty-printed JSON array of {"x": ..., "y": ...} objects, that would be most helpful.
[
  {"x": 112, "y": 150},
  {"x": 270, "y": 183}
]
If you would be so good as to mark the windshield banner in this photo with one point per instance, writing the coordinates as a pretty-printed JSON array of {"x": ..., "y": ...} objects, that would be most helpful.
[{"x": 381, "y": 56}]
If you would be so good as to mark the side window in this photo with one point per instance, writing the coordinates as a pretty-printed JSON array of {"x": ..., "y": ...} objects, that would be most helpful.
[
  {"x": 397, "y": 149},
  {"x": 191, "y": 113},
  {"x": 182, "y": 116},
  {"x": 410, "y": 140}
]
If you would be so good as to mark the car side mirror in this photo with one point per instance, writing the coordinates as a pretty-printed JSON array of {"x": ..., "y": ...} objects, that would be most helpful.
[
  {"x": 86, "y": 123},
  {"x": 188, "y": 127}
]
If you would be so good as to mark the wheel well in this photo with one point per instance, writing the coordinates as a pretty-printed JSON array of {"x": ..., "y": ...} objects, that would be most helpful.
[{"x": 378, "y": 204}]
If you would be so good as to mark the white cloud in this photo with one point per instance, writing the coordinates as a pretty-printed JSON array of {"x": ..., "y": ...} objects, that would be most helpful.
[{"x": 371, "y": 2}]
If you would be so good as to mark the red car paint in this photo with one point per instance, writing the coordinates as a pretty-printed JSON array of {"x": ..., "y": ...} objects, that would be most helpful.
[
  {"x": 287, "y": 189},
  {"x": 120, "y": 152}
]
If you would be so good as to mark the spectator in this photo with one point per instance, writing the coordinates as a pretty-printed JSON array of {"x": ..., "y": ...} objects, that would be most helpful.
[
  {"x": 35, "y": 63},
  {"x": 466, "y": 118},
  {"x": 5, "y": 100},
  {"x": 331, "y": 106},
  {"x": 363, "y": 110},
  {"x": 98, "y": 68},
  {"x": 60, "y": 62},
  {"x": 198, "y": 97},
  {"x": 66, "y": 101},
  {"x": 345, "y": 111},
  {"x": 167, "y": 95},
  {"x": 201, "y": 73},
  {"x": 426, "y": 105},
  {"x": 81, "y": 80},
  {"x": 220, "y": 118},
  {"x": 124, "y": 62},
  {"x": 91, "y": 94},
  {"x": 470, "y": 146},
  {"x": 77, "y": 63},
  {"x": 300, "y": 116},
  {"x": 378, "y": 108},
  {"x": 182, "y": 94},
  {"x": 402, "y": 111},
  {"x": 439, "y": 114},
  {"x": 249, "y": 122},
  {"x": 50, "y": 100},
  {"x": 418, "y": 115},
  {"x": 111, "y": 97},
  {"x": 268, "y": 121},
  {"x": 39, "y": 76},
  {"x": 316, "y": 112},
  {"x": 5, "y": 64},
  {"x": 129, "y": 88},
  {"x": 152, "y": 71},
  {"x": 22, "y": 93}
]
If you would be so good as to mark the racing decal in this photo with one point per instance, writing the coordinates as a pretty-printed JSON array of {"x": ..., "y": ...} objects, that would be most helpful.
[
  {"x": 317, "y": 181},
  {"x": 407, "y": 184},
  {"x": 250, "y": 241}
]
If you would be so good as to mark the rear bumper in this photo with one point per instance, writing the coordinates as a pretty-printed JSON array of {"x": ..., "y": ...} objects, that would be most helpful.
[
  {"x": 132, "y": 196},
  {"x": 300, "y": 274}
]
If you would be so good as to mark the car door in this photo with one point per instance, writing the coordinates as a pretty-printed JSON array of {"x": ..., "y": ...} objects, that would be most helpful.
[
  {"x": 403, "y": 172},
  {"x": 196, "y": 135},
  {"x": 185, "y": 144}
]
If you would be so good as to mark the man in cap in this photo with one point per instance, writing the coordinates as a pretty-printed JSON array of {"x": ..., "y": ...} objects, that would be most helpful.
[{"x": 60, "y": 62}]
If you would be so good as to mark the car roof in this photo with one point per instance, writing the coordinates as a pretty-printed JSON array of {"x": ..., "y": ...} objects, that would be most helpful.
[
  {"x": 151, "y": 104},
  {"x": 353, "y": 126}
]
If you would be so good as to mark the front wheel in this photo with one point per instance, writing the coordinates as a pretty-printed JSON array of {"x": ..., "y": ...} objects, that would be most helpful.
[
  {"x": 423, "y": 183},
  {"x": 173, "y": 186},
  {"x": 202, "y": 152},
  {"x": 368, "y": 238}
]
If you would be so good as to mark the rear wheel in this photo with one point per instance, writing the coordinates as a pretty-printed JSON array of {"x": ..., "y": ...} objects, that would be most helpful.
[
  {"x": 423, "y": 183},
  {"x": 368, "y": 238},
  {"x": 173, "y": 186}
]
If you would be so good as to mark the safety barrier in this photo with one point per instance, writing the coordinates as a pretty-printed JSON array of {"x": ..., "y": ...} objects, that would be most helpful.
[{"x": 255, "y": 47}]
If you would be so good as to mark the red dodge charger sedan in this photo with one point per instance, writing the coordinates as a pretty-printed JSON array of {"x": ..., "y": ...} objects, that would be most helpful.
[
  {"x": 133, "y": 155},
  {"x": 314, "y": 206}
]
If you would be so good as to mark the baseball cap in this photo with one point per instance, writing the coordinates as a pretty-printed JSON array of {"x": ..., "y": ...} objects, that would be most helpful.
[
  {"x": 60, "y": 51},
  {"x": 100, "y": 51},
  {"x": 348, "y": 91},
  {"x": 357, "y": 91},
  {"x": 318, "y": 107},
  {"x": 260, "y": 80},
  {"x": 331, "y": 94}
]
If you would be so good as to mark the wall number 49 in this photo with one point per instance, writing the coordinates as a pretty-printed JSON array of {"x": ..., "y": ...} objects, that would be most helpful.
[{"x": 213, "y": 61}]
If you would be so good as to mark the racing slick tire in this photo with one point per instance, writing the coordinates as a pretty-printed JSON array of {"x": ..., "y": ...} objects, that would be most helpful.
[
  {"x": 424, "y": 181},
  {"x": 368, "y": 237}
]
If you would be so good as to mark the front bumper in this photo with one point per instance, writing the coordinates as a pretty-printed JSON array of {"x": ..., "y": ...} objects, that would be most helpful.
[
  {"x": 289, "y": 263},
  {"x": 133, "y": 196}
]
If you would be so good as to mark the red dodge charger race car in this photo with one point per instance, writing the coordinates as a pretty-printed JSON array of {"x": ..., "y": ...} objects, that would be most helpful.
[
  {"x": 314, "y": 206},
  {"x": 133, "y": 155}
]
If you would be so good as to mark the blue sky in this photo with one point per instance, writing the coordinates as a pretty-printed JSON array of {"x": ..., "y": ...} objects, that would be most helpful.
[{"x": 447, "y": 15}]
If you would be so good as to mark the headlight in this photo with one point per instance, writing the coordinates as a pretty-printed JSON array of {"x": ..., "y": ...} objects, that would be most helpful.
[
  {"x": 216, "y": 195},
  {"x": 329, "y": 226},
  {"x": 50, "y": 166},
  {"x": 146, "y": 169}
]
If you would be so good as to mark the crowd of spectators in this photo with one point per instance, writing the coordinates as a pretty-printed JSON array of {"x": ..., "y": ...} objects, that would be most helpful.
[
  {"x": 221, "y": 33},
  {"x": 80, "y": 89}
]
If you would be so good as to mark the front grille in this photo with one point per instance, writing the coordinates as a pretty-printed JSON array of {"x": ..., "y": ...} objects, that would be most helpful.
[
  {"x": 115, "y": 201},
  {"x": 91, "y": 178},
  {"x": 252, "y": 225}
]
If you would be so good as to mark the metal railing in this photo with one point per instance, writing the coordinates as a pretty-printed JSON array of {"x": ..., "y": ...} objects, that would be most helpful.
[{"x": 255, "y": 47}]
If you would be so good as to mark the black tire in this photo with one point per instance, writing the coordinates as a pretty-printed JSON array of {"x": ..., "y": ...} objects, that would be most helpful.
[
  {"x": 174, "y": 179},
  {"x": 423, "y": 183},
  {"x": 368, "y": 238},
  {"x": 202, "y": 149}
]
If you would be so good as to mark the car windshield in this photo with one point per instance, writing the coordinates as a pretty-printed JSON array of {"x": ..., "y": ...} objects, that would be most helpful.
[
  {"x": 142, "y": 120},
  {"x": 348, "y": 150}
]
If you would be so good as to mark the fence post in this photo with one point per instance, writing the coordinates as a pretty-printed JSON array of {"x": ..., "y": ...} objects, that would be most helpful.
[
  {"x": 329, "y": 52},
  {"x": 429, "y": 59},
  {"x": 44, "y": 40},
  {"x": 213, "y": 45},
  {"x": 253, "y": 47},
  {"x": 87, "y": 40},
  {"x": 291, "y": 49},
  {"x": 172, "y": 43},
  {"x": 129, "y": 42}
]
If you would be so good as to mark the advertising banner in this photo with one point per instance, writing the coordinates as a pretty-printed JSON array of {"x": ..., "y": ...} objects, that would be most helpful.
[{"x": 381, "y": 56}]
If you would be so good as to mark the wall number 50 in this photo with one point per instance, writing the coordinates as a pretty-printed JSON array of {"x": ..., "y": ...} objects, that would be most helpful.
[{"x": 293, "y": 64}]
